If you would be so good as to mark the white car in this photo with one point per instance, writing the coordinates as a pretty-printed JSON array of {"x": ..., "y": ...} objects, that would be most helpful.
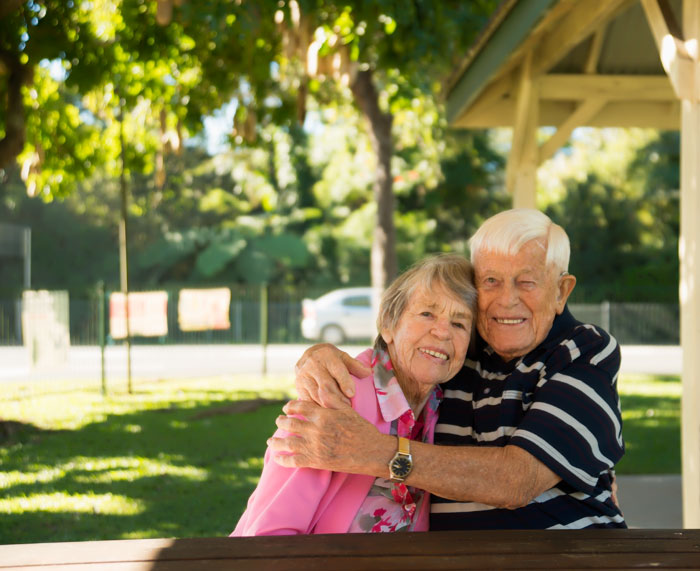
[{"x": 339, "y": 315}]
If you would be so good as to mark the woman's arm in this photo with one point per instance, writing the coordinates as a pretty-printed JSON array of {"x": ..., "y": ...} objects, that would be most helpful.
[
  {"x": 285, "y": 501},
  {"x": 341, "y": 440}
]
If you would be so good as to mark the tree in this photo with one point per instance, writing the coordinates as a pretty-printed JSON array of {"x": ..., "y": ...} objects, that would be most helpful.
[
  {"x": 153, "y": 70},
  {"x": 388, "y": 53},
  {"x": 37, "y": 116}
]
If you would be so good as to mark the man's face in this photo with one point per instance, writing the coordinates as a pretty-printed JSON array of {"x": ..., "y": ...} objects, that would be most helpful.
[{"x": 519, "y": 297}]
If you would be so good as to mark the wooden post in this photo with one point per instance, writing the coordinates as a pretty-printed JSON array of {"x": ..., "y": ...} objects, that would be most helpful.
[
  {"x": 690, "y": 276},
  {"x": 521, "y": 170}
]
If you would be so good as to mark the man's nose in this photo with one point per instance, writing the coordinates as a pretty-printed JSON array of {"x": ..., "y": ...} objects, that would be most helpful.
[{"x": 509, "y": 295}]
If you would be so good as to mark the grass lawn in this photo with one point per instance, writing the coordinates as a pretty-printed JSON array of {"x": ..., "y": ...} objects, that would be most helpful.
[
  {"x": 180, "y": 458},
  {"x": 651, "y": 416}
]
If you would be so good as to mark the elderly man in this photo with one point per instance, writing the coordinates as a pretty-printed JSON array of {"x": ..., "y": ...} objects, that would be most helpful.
[{"x": 529, "y": 430}]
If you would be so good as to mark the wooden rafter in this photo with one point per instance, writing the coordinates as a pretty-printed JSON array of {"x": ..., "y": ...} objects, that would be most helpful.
[
  {"x": 581, "y": 116},
  {"x": 675, "y": 56},
  {"x": 572, "y": 87},
  {"x": 581, "y": 21},
  {"x": 594, "y": 51}
]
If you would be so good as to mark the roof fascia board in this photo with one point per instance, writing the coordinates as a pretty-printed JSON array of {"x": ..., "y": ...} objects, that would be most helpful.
[{"x": 512, "y": 31}]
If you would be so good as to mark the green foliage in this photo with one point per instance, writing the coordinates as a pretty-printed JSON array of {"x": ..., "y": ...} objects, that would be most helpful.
[
  {"x": 285, "y": 203},
  {"x": 69, "y": 250},
  {"x": 626, "y": 247}
]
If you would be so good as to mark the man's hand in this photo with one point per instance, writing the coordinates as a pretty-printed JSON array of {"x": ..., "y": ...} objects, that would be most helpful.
[
  {"x": 323, "y": 375},
  {"x": 338, "y": 440}
]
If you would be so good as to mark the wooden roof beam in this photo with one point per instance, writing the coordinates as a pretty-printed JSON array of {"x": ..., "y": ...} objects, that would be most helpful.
[
  {"x": 584, "y": 19},
  {"x": 663, "y": 115},
  {"x": 583, "y": 114},
  {"x": 573, "y": 87},
  {"x": 591, "y": 64},
  {"x": 675, "y": 54}
]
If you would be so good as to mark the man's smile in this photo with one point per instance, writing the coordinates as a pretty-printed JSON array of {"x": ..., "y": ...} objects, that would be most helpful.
[{"x": 509, "y": 321}]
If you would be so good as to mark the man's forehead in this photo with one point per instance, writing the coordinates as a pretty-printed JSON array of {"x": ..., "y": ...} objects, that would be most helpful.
[{"x": 527, "y": 259}]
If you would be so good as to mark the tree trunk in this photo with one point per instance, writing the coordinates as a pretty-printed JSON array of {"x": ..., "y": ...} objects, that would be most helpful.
[
  {"x": 384, "y": 265},
  {"x": 13, "y": 142}
]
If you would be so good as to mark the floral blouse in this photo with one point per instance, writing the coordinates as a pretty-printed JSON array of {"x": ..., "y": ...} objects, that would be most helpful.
[{"x": 392, "y": 506}]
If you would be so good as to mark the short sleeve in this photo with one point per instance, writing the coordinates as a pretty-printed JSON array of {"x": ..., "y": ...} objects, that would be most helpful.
[{"x": 574, "y": 424}]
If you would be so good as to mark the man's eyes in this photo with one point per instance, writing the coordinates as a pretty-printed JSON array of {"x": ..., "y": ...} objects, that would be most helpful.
[{"x": 494, "y": 282}]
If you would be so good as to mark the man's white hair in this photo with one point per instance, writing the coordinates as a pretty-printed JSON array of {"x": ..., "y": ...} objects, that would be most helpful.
[{"x": 508, "y": 231}]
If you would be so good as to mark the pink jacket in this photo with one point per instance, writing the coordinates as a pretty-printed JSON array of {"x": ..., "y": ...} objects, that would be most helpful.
[{"x": 291, "y": 501}]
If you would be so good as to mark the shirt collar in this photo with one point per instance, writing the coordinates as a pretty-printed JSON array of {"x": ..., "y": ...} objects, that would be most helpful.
[{"x": 392, "y": 401}]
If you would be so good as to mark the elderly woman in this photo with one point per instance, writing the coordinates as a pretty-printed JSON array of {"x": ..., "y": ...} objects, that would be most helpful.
[{"x": 425, "y": 324}]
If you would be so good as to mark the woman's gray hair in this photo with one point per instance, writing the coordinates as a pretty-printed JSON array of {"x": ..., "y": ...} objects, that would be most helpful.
[
  {"x": 450, "y": 271},
  {"x": 508, "y": 231}
]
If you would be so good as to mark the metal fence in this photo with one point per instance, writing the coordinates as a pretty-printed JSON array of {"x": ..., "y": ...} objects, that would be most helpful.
[{"x": 629, "y": 323}]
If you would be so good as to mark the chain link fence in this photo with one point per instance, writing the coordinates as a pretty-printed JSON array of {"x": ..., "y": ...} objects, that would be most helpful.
[{"x": 629, "y": 323}]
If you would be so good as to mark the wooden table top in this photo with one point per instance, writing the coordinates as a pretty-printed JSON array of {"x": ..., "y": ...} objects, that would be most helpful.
[{"x": 585, "y": 549}]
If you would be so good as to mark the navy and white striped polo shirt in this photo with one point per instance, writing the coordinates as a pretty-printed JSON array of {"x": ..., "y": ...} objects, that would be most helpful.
[{"x": 559, "y": 403}]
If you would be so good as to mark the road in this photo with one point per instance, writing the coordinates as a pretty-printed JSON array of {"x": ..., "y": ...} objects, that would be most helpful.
[{"x": 152, "y": 362}]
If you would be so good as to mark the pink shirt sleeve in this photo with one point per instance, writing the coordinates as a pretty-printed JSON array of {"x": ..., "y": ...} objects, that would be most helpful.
[
  {"x": 285, "y": 502},
  {"x": 290, "y": 501}
]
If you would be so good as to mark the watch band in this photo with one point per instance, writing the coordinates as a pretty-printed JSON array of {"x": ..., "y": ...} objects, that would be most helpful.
[
  {"x": 401, "y": 464},
  {"x": 404, "y": 445}
]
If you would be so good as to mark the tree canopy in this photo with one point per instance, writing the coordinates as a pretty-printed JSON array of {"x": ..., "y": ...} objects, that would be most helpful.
[{"x": 338, "y": 167}]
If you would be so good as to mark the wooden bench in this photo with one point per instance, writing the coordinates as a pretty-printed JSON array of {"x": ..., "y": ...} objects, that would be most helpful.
[{"x": 591, "y": 549}]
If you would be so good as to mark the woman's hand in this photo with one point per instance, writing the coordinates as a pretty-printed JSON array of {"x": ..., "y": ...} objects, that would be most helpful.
[
  {"x": 323, "y": 376},
  {"x": 338, "y": 440}
]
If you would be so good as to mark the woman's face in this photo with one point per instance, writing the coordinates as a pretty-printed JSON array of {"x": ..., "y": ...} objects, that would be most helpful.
[{"x": 430, "y": 341}]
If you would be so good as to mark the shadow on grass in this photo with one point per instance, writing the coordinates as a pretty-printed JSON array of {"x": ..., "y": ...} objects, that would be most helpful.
[
  {"x": 183, "y": 471},
  {"x": 13, "y": 432},
  {"x": 187, "y": 470}
]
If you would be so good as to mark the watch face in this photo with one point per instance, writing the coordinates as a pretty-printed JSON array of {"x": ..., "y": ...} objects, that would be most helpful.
[{"x": 401, "y": 467}]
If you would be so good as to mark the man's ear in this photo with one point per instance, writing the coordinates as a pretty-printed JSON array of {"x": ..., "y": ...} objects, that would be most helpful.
[{"x": 566, "y": 285}]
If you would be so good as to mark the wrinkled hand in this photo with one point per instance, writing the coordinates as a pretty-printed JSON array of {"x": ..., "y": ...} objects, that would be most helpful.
[
  {"x": 339, "y": 440},
  {"x": 323, "y": 376}
]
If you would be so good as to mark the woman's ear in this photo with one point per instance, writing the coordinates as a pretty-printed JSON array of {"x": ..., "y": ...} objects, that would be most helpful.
[
  {"x": 566, "y": 285},
  {"x": 387, "y": 335}
]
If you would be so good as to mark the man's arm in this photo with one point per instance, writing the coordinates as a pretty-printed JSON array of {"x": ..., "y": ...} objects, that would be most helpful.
[
  {"x": 323, "y": 375},
  {"x": 342, "y": 441}
]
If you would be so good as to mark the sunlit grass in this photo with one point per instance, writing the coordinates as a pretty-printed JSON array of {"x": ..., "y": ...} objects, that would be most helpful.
[
  {"x": 651, "y": 416},
  {"x": 173, "y": 459},
  {"x": 180, "y": 458},
  {"x": 76, "y": 503}
]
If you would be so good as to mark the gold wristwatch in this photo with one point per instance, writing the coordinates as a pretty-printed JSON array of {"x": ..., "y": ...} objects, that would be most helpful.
[{"x": 401, "y": 464}]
